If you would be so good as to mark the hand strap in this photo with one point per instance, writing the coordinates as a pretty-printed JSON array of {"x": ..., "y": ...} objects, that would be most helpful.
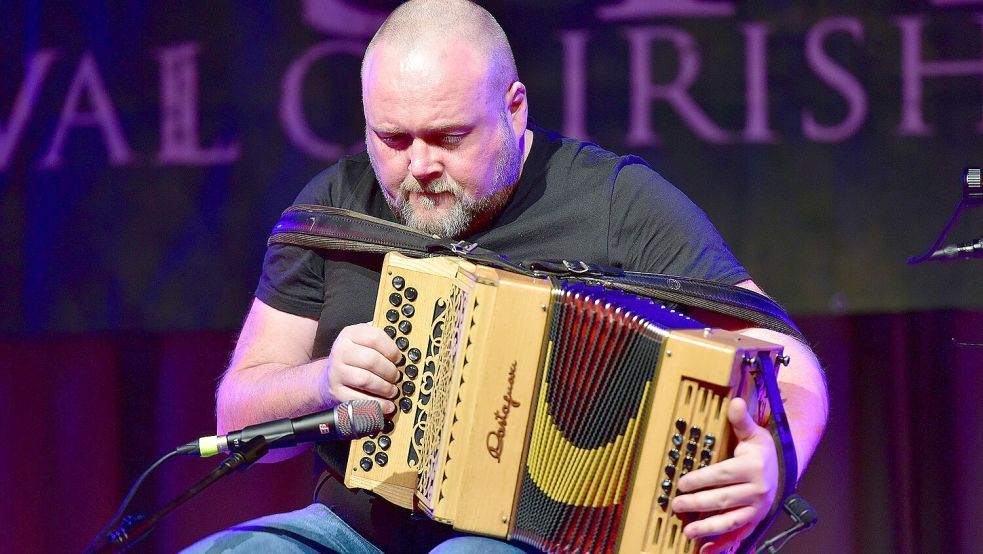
[{"x": 788, "y": 471}]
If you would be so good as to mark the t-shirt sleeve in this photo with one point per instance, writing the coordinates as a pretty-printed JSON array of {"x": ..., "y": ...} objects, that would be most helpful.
[
  {"x": 293, "y": 277},
  {"x": 654, "y": 227}
]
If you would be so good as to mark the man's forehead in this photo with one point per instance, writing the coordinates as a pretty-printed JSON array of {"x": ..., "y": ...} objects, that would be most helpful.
[
  {"x": 438, "y": 86},
  {"x": 431, "y": 61}
]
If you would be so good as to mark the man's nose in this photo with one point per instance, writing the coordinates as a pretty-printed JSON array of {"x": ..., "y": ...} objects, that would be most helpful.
[{"x": 425, "y": 162}]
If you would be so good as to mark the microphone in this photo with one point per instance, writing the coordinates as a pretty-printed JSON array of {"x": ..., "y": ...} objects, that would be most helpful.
[
  {"x": 802, "y": 514},
  {"x": 346, "y": 421},
  {"x": 972, "y": 249}
]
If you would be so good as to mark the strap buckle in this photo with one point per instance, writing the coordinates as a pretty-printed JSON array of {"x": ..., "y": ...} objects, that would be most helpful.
[
  {"x": 463, "y": 248},
  {"x": 577, "y": 267}
]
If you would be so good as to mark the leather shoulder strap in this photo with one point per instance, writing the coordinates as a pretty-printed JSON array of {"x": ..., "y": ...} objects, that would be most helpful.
[{"x": 327, "y": 228}]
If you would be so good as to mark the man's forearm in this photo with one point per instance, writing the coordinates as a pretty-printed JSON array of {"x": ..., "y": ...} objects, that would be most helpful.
[
  {"x": 803, "y": 390},
  {"x": 265, "y": 392}
]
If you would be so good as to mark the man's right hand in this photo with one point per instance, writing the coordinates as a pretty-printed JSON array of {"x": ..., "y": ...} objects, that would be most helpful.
[{"x": 362, "y": 365}]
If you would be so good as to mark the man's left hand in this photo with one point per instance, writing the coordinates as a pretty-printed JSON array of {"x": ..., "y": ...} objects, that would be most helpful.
[{"x": 738, "y": 492}]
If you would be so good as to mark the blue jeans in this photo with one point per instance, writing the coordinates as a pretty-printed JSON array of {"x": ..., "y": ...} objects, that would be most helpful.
[{"x": 315, "y": 530}]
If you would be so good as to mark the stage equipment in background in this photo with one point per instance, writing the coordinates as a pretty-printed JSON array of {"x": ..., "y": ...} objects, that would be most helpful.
[
  {"x": 347, "y": 421},
  {"x": 972, "y": 197}
]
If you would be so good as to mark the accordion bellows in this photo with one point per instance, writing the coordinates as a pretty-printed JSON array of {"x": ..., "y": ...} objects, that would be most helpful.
[{"x": 556, "y": 414}]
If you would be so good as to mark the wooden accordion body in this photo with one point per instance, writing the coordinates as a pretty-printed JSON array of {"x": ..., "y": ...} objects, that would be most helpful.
[{"x": 556, "y": 414}]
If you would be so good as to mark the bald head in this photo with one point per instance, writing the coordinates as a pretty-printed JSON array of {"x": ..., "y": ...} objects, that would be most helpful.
[
  {"x": 445, "y": 116},
  {"x": 429, "y": 24}
]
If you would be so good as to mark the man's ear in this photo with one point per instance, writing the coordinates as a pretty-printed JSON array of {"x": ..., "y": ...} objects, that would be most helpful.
[{"x": 518, "y": 106}]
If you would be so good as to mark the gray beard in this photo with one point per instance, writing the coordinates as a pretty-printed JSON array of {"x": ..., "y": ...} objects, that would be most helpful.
[{"x": 460, "y": 216}]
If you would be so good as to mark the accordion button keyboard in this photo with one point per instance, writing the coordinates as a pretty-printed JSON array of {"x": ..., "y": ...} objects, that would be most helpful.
[
  {"x": 681, "y": 425},
  {"x": 694, "y": 433},
  {"x": 368, "y": 447},
  {"x": 391, "y": 331},
  {"x": 388, "y": 427},
  {"x": 663, "y": 501},
  {"x": 667, "y": 485},
  {"x": 411, "y": 294},
  {"x": 674, "y": 455},
  {"x": 384, "y": 442},
  {"x": 705, "y": 455},
  {"x": 677, "y": 440},
  {"x": 381, "y": 458},
  {"x": 398, "y": 282},
  {"x": 414, "y": 355},
  {"x": 402, "y": 361},
  {"x": 709, "y": 441},
  {"x": 392, "y": 316},
  {"x": 405, "y": 404},
  {"x": 409, "y": 388},
  {"x": 402, "y": 343},
  {"x": 688, "y": 463},
  {"x": 408, "y": 310},
  {"x": 405, "y": 327},
  {"x": 412, "y": 371},
  {"x": 395, "y": 299},
  {"x": 671, "y": 471},
  {"x": 365, "y": 463},
  {"x": 691, "y": 447}
]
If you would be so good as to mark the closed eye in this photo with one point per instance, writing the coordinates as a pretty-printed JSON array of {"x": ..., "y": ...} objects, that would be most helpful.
[
  {"x": 398, "y": 141},
  {"x": 453, "y": 139}
]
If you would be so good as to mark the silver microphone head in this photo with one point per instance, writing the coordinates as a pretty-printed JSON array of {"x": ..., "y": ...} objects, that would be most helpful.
[{"x": 358, "y": 418}]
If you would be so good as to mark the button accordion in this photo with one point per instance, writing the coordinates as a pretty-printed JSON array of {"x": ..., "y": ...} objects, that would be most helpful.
[{"x": 556, "y": 414}]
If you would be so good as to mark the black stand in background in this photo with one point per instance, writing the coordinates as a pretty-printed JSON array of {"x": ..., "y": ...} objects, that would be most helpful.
[
  {"x": 134, "y": 528},
  {"x": 972, "y": 196}
]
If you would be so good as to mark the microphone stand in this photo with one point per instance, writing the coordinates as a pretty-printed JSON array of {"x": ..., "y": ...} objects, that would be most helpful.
[{"x": 135, "y": 528}]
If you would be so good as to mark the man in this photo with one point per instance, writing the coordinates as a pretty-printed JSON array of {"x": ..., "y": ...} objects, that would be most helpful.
[{"x": 450, "y": 152}]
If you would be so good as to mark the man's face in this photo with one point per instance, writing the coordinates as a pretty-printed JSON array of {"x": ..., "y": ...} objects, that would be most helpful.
[{"x": 443, "y": 146}]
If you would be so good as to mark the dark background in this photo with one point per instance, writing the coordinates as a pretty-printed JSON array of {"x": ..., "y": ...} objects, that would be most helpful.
[{"x": 123, "y": 281}]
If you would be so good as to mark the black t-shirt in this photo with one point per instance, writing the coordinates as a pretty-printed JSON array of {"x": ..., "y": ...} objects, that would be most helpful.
[{"x": 574, "y": 201}]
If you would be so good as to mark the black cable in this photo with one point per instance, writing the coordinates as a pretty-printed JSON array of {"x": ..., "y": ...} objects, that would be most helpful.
[
  {"x": 118, "y": 516},
  {"x": 132, "y": 532},
  {"x": 788, "y": 536},
  {"x": 942, "y": 236}
]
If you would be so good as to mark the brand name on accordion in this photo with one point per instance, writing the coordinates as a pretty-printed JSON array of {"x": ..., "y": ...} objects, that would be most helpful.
[{"x": 496, "y": 439}]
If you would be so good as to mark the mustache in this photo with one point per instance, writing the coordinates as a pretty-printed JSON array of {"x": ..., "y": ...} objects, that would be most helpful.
[{"x": 443, "y": 184}]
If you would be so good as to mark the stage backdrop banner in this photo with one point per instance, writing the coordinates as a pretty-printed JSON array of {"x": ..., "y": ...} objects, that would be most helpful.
[{"x": 146, "y": 148}]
